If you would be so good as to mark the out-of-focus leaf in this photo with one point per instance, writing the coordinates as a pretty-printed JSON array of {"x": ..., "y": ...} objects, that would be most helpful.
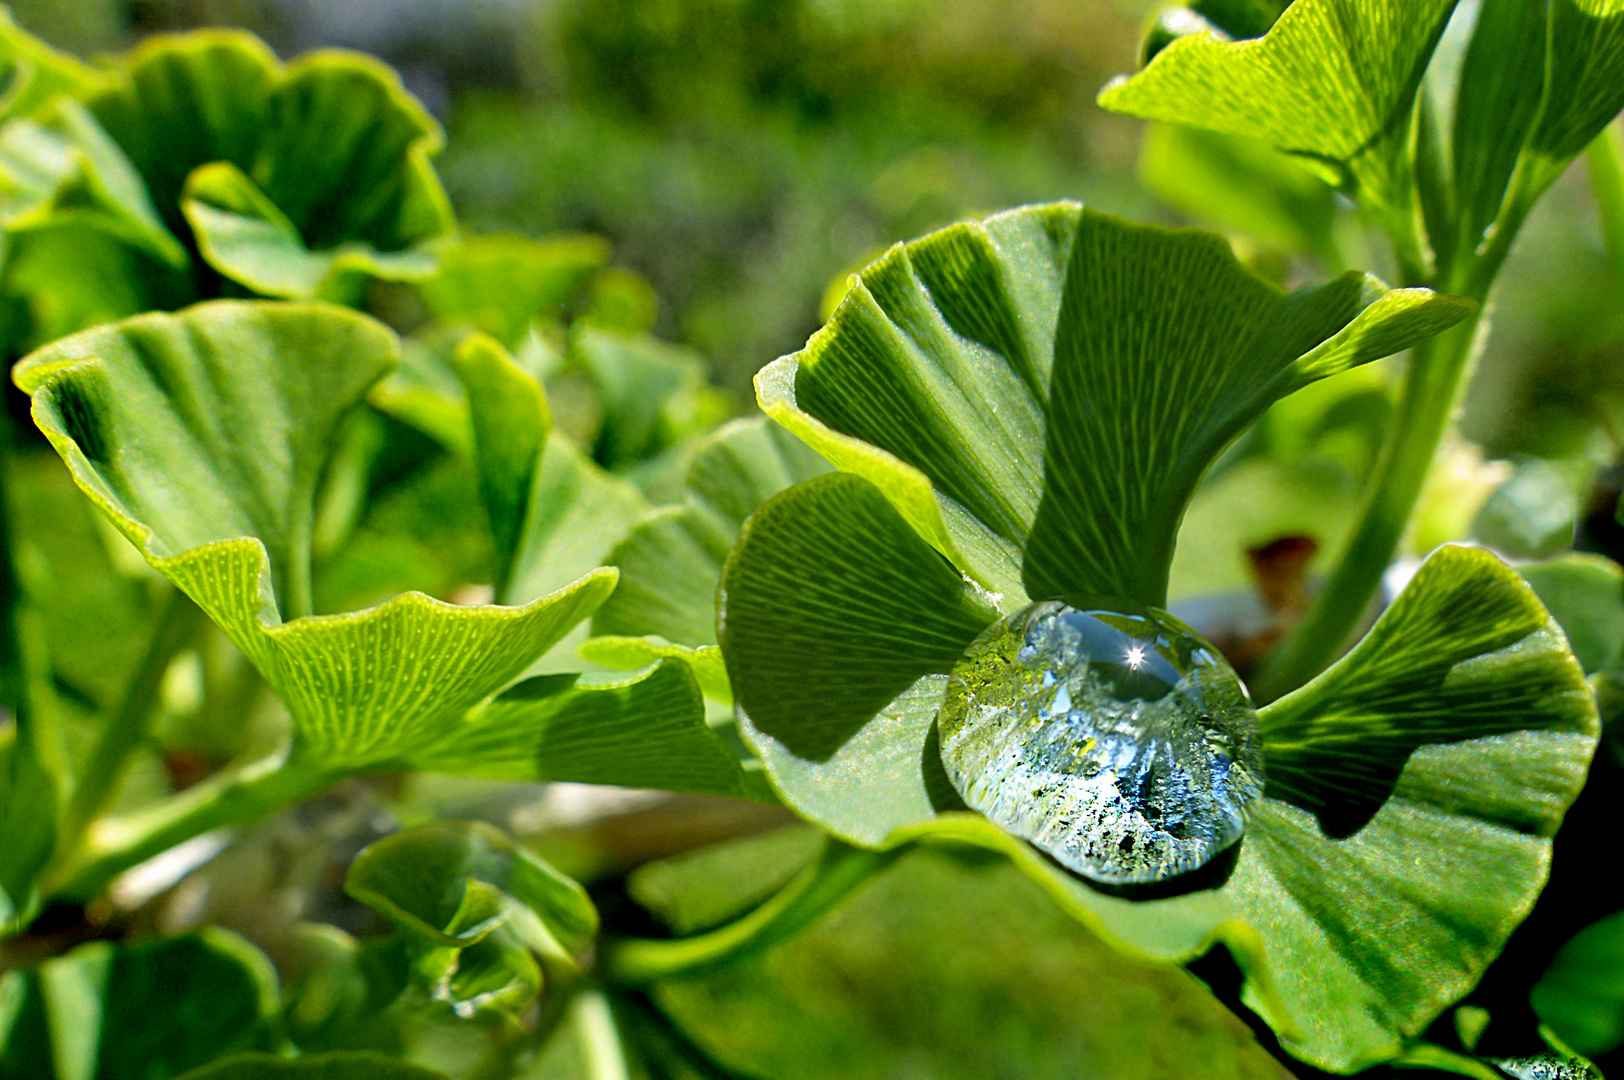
[
  {"x": 671, "y": 561},
  {"x": 1241, "y": 186},
  {"x": 500, "y": 282},
  {"x": 453, "y": 883},
  {"x": 202, "y": 436},
  {"x": 1531, "y": 515},
  {"x": 1039, "y": 393},
  {"x": 1585, "y": 594},
  {"x": 1332, "y": 80},
  {"x": 702, "y": 889},
  {"x": 150, "y": 1010},
  {"x": 33, "y": 72},
  {"x": 1581, "y": 995},
  {"x": 1018, "y": 990},
  {"x": 243, "y": 234},
  {"x": 339, "y": 1065},
  {"x": 652, "y": 394},
  {"x": 511, "y": 422},
  {"x": 339, "y": 988}
]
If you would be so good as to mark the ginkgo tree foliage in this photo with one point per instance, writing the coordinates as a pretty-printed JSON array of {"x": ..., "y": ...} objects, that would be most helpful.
[{"x": 772, "y": 609}]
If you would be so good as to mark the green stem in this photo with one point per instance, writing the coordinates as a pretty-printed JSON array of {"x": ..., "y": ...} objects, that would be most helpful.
[
  {"x": 230, "y": 798},
  {"x": 599, "y": 1038},
  {"x": 814, "y": 892},
  {"x": 125, "y": 729},
  {"x": 1606, "y": 160},
  {"x": 1425, "y": 409}
]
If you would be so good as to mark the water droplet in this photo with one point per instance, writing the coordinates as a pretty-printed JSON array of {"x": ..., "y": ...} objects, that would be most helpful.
[
  {"x": 1547, "y": 1068},
  {"x": 1117, "y": 740}
]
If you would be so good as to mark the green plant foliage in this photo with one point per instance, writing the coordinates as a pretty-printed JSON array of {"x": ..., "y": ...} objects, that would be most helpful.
[
  {"x": 34, "y": 72},
  {"x": 1333, "y": 80},
  {"x": 843, "y": 609},
  {"x": 153, "y": 1010},
  {"x": 334, "y": 1066},
  {"x": 453, "y": 883},
  {"x": 1585, "y": 594},
  {"x": 1581, "y": 995},
  {"x": 1020, "y": 990},
  {"x": 1531, "y": 515},
  {"x": 499, "y": 283},
  {"x": 1021, "y": 432},
  {"x": 297, "y": 180},
  {"x": 671, "y": 560}
]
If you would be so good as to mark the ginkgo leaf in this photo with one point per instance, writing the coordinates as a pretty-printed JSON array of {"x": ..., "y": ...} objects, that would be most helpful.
[
  {"x": 1039, "y": 393},
  {"x": 500, "y": 282},
  {"x": 244, "y": 235},
  {"x": 34, "y": 73},
  {"x": 1332, "y": 80},
  {"x": 202, "y": 436},
  {"x": 1413, "y": 788},
  {"x": 671, "y": 561}
]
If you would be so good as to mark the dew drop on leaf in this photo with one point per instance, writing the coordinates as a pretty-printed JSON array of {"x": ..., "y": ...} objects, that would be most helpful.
[
  {"x": 1114, "y": 738},
  {"x": 1547, "y": 1068}
]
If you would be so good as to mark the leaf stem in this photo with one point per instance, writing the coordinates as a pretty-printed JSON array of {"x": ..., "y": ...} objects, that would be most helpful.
[
  {"x": 1606, "y": 160},
  {"x": 230, "y": 798},
  {"x": 839, "y": 871},
  {"x": 127, "y": 726},
  {"x": 1426, "y": 407}
]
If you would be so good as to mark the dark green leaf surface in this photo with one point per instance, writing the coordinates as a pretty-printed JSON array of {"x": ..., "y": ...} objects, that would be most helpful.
[
  {"x": 1038, "y": 394},
  {"x": 1584, "y": 78},
  {"x": 151, "y": 1010},
  {"x": 1581, "y": 995},
  {"x": 1333, "y": 80},
  {"x": 646, "y": 731},
  {"x": 202, "y": 436},
  {"x": 335, "y": 1066},
  {"x": 1438, "y": 757},
  {"x": 652, "y": 394},
  {"x": 449, "y": 883},
  {"x": 671, "y": 561},
  {"x": 831, "y": 608}
]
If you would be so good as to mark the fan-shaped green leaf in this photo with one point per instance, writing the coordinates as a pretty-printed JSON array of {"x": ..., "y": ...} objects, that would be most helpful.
[
  {"x": 646, "y": 731},
  {"x": 671, "y": 561},
  {"x": 242, "y": 234},
  {"x": 340, "y": 1065},
  {"x": 1333, "y": 80},
  {"x": 450, "y": 883},
  {"x": 202, "y": 435},
  {"x": 1412, "y": 792},
  {"x": 1039, "y": 393},
  {"x": 652, "y": 394},
  {"x": 1581, "y": 995},
  {"x": 155, "y": 1009}
]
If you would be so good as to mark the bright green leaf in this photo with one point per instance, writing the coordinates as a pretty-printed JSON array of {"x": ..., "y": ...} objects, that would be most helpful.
[
  {"x": 647, "y": 731},
  {"x": 1332, "y": 80},
  {"x": 1584, "y": 78},
  {"x": 151, "y": 1010},
  {"x": 652, "y": 394},
  {"x": 343, "y": 1065},
  {"x": 450, "y": 883},
  {"x": 202, "y": 435},
  {"x": 511, "y": 422},
  {"x": 700, "y": 890},
  {"x": 1039, "y": 394},
  {"x": 631, "y": 653},
  {"x": 242, "y": 234},
  {"x": 1581, "y": 995},
  {"x": 671, "y": 561}
]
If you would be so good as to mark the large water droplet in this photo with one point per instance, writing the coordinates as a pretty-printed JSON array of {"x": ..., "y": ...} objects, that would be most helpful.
[{"x": 1119, "y": 741}]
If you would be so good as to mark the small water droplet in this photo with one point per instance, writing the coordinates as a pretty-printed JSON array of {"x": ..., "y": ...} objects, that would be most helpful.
[
  {"x": 1115, "y": 739},
  {"x": 1547, "y": 1068}
]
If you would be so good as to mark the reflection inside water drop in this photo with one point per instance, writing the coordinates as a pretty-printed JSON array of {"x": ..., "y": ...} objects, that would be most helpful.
[{"x": 1118, "y": 740}]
